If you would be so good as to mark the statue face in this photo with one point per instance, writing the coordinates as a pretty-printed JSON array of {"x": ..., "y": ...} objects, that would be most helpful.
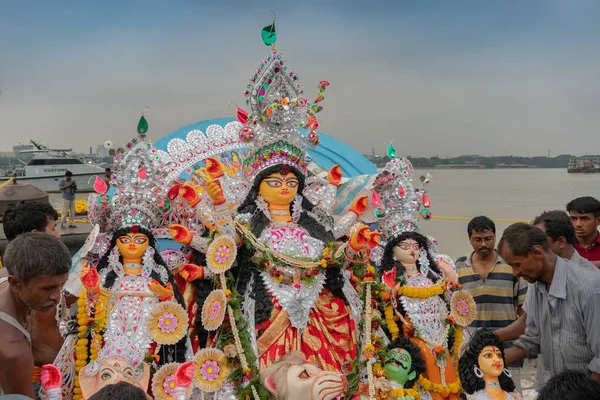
[
  {"x": 133, "y": 245},
  {"x": 407, "y": 251},
  {"x": 101, "y": 373},
  {"x": 490, "y": 362},
  {"x": 399, "y": 365},
  {"x": 278, "y": 188}
]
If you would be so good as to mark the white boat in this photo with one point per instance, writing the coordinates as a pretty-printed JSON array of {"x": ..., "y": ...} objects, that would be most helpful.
[{"x": 47, "y": 168}]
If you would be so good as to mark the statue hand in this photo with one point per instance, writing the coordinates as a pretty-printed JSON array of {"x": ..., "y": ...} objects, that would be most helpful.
[
  {"x": 359, "y": 205},
  {"x": 359, "y": 238},
  {"x": 188, "y": 193},
  {"x": 184, "y": 374},
  {"x": 215, "y": 191},
  {"x": 90, "y": 279},
  {"x": 181, "y": 234},
  {"x": 50, "y": 377},
  {"x": 164, "y": 293},
  {"x": 335, "y": 175},
  {"x": 191, "y": 272},
  {"x": 374, "y": 238}
]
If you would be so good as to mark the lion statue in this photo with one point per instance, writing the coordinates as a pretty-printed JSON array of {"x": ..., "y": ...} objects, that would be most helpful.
[{"x": 292, "y": 378}]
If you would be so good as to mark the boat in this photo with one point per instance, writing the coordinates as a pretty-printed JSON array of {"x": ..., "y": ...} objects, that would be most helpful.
[
  {"x": 47, "y": 168},
  {"x": 583, "y": 165}
]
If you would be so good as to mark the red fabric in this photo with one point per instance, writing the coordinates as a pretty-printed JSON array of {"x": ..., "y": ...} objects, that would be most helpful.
[{"x": 591, "y": 253}]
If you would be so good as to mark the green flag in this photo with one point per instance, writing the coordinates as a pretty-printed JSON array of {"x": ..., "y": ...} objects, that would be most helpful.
[
  {"x": 142, "y": 125},
  {"x": 391, "y": 151},
  {"x": 268, "y": 34}
]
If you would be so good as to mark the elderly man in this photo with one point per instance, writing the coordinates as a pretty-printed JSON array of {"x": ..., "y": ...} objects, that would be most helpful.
[
  {"x": 38, "y": 266},
  {"x": 563, "y": 305}
]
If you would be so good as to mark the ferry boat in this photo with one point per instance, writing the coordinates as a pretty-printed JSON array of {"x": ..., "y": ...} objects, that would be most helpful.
[
  {"x": 48, "y": 166},
  {"x": 583, "y": 165}
]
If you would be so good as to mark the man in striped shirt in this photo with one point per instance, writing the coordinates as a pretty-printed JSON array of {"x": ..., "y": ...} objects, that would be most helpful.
[
  {"x": 498, "y": 293},
  {"x": 563, "y": 305}
]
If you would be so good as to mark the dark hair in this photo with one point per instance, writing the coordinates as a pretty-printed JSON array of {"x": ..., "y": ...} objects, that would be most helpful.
[
  {"x": 121, "y": 391},
  {"x": 34, "y": 254},
  {"x": 418, "y": 365},
  {"x": 26, "y": 217},
  {"x": 388, "y": 261},
  {"x": 169, "y": 353},
  {"x": 68, "y": 173},
  {"x": 202, "y": 288},
  {"x": 107, "y": 169},
  {"x": 246, "y": 270},
  {"x": 521, "y": 238},
  {"x": 556, "y": 224},
  {"x": 470, "y": 382},
  {"x": 584, "y": 205},
  {"x": 481, "y": 224},
  {"x": 570, "y": 385}
]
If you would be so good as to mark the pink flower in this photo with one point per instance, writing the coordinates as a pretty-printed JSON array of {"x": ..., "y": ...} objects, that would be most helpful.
[
  {"x": 210, "y": 370},
  {"x": 169, "y": 384},
  {"x": 168, "y": 322},
  {"x": 215, "y": 310},
  {"x": 222, "y": 254},
  {"x": 462, "y": 308}
]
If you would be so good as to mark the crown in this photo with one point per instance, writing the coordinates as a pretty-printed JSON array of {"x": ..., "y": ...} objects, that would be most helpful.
[
  {"x": 400, "y": 204},
  {"x": 279, "y": 109},
  {"x": 140, "y": 188}
]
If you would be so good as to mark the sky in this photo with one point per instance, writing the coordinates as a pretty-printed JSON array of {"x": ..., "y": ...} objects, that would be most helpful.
[{"x": 496, "y": 77}]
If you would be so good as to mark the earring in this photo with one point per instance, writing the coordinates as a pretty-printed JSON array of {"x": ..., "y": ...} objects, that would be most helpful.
[
  {"x": 507, "y": 372},
  {"x": 424, "y": 263},
  {"x": 478, "y": 372},
  {"x": 296, "y": 208},
  {"x": 263, "y": 206},
  {"x": 113, "y": 261}
]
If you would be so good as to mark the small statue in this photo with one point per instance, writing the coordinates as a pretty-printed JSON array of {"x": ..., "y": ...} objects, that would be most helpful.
[
  {"x": 482, "y": 372},
  {"x": 402, "y": 367},
  {"x": 292, "y": 378}
]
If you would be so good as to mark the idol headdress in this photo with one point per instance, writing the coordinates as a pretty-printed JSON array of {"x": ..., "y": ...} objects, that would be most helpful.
[
  {"x": 399, "y": 205},
  {"x": 140, "y": 189},
  {"x": 279, "y": 108}
]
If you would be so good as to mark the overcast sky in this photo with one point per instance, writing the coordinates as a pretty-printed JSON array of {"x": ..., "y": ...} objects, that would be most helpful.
[{"x": 438, "y": 77}]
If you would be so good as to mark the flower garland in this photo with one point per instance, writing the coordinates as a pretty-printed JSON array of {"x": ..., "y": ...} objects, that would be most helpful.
[
  {"x": 458, "y": 338},
  {"x": 422, "y": 293},
  {"x": 391, "y": 323},
  {"x": 445, "y": 391},
  {"x": 81, "y": 349},
  {"x": 369, "y": 349},
  {"x": 401, "y": 393}
]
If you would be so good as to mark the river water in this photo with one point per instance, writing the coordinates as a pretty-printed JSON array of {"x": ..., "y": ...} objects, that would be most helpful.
[{"x": 511, "y": 194}]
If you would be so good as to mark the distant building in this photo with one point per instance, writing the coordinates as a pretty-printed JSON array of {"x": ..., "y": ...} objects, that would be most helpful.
[{"x": 101, "y": 151}]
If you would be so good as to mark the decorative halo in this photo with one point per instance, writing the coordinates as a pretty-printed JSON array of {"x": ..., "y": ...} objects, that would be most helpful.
[
  {"x": 167, "y": 323},
  {"x": 213, "y": 310},
  {"x": 463, "y": 308},
  {"x": 211, "y": 370},
  {"x": 220, "y": 254},
  {"x": 163, "y": 382}
]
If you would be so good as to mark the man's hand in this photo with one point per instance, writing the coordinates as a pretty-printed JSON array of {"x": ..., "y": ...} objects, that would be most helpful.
[
  {"x": 514, "y": 355},
  {"x": 513, "y": 331}
]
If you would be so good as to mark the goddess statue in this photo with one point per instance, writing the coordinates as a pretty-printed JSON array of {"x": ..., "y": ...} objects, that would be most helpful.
[
  {"x": 130, "y": 318},
  {"x": 482, "y": 372},
  {"x": 284, "y": 253},
  {"x": 421, "y": 287}
]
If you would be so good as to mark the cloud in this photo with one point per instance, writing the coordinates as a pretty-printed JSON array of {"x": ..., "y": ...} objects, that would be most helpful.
[{"x": 427, "y": 86}]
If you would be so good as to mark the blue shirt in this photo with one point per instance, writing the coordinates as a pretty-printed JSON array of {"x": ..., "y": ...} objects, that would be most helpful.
[{"x": 68, "y": 193}]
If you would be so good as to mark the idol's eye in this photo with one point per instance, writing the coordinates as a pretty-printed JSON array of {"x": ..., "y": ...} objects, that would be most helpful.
[
  {"x": 105, "y": 375},
  {"x": 274, "y": 183},
  {"x": 487, "y": 355},
  {"x": 140, "y": 240},
  {"x": 128, "y": 371},
  {"x": 303, "y": 375},
  {"x": 125, "y": 239},
  {"x": 292, "y": 183}
]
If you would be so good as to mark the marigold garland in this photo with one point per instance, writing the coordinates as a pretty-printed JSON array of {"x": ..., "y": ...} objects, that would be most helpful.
[
  {"x": 445, "y": 391},
  {"x": 391, "y": 323},
  {"x": 422, "y": 293},
  {"x": 81, "y": 349},
  {"x": 458, "y": 337},
  {"x": 396, "y": 393}
]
